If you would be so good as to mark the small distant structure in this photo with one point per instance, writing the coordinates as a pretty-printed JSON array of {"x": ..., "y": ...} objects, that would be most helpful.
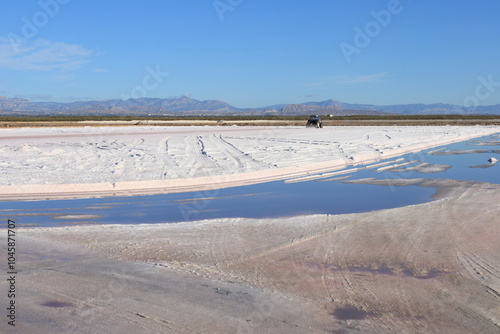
[{"x": 492, "y": 160}]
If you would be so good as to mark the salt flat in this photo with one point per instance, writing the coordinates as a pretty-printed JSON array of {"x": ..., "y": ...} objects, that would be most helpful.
[
  {"x": 428, "y": 268},
  {"x": 120, "y": 161}
]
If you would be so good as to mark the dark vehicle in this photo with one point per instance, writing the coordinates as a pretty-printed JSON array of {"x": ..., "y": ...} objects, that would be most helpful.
[{"x": 314, "y": 122}]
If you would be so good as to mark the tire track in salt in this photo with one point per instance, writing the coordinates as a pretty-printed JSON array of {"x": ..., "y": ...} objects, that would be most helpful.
[
  {"x": 242, "y": 162},
  {"x": 307, "y": 151},
  {"x": 165, "y": 164},
  {"x": 198, "y": 161},
  {"x": 484, "y": 269},
  {"x": 479, "y": 261}
]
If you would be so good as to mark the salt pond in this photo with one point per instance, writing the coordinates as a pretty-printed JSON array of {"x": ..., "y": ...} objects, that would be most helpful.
[{"x": 318, "y": 194}]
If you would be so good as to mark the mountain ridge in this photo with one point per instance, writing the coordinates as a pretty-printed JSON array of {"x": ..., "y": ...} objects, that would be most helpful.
[{"x": 185, "y": 106}]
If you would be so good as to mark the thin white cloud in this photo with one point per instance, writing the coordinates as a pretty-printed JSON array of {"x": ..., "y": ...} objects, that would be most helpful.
[
  {"x": 42, "y": 55},
  {"x": 76, "y": 98},
  {"x": 344, "y": 80},
  {"x": 100, "y": 70},
  {"x": 44, "y": 97},
  {"x": 359, "y": 79}
]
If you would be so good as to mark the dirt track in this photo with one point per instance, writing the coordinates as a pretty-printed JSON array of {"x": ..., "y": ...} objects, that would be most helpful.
[
  {"x": 249, "y": 122},
  {"x": 431, "y": 268}
]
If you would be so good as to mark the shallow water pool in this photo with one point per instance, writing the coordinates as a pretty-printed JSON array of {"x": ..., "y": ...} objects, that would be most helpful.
[{"x": 323, "y": 194}]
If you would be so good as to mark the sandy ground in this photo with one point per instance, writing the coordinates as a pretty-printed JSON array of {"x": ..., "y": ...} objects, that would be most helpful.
[
  {"x": 430, "y": 268},
  {"x": 119, "y": 161}
]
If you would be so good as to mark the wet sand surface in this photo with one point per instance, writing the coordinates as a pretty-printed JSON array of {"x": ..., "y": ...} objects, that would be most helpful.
[{"x": 429, "y": 268}]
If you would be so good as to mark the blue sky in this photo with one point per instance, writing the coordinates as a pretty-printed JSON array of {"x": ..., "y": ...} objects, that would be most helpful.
[{"x": 252, "y": 53}]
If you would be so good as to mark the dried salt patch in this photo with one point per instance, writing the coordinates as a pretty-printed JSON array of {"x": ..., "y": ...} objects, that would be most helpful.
[
  {"x": 78, "y": 217},
  {"x": 28, "y": 148},
  {"x": 303, "y": 179},
  {"x": 434, "y": 151},
  {"x": 381, "y": 169},
  {"x": 384, "y": 163},
  {"x": 321, "y": 176},
  {"x": 57, "y": 151}
]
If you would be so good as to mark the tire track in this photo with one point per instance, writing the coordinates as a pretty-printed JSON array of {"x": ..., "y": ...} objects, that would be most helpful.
[
  {"x": 197, "y": 158},
  {"x": 285, "y": 140},
  {"x": 165, "y": 165},
  {"x": 486, "y": 273},
  {"x": 240, "y": 160}
]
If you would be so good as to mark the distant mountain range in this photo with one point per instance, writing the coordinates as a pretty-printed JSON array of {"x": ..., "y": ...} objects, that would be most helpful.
[{"x": 185, "y": 106}]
